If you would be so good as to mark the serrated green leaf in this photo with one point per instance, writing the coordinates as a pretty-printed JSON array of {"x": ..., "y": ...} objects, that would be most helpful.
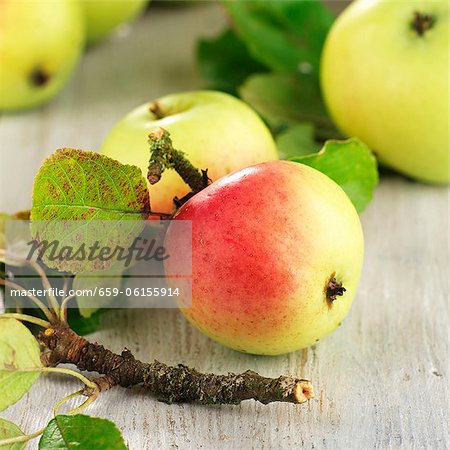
[
  {"x": 283, "y": 35},
  {"x": 296, "y": 141},
  {"x": 81, "y": 432},
  {"x": 351, "y": 164},
  {"x": 225, "y": 62},
  {"x": 75, "y": 192},
  {"x": 9, "y": 430},
  {"x": 81, "y": 185},
  {"x": 284, "y": 100},
  {"x": 18, "y": 350}
]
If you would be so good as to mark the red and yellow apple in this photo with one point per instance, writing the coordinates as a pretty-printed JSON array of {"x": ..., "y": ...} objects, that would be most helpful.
[
  {"x": 216, "y": 131},
  {"x": 273, "y": 246}
]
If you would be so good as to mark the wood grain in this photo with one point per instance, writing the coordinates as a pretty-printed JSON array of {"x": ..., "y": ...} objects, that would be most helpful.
[{"x": 381, "y": 379}]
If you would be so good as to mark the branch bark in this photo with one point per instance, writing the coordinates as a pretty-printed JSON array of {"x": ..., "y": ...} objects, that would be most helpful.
[
  {"x": 164, "y": 156},
  {"x": 170, "y": 384}
]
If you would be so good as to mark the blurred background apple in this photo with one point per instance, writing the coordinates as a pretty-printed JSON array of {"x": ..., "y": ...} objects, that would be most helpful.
[
  {"x": 40, "y": 43},
  {"x": 104, "y": 16}
]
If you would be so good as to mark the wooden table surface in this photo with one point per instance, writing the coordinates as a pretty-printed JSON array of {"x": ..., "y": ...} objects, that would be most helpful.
[{"x": 381, "y": 379}]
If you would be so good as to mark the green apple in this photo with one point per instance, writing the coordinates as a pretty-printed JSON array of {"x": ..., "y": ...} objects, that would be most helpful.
[
  {"x": 385, "y": 79},
  {"x": 216, "y": 131},
  {"x": 40, "y": 43},
  {"x": 277, "y": 250},
  {"x": 103, "y": 16}
]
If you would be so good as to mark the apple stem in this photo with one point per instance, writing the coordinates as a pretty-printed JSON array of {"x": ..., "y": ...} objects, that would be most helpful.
[
  {"x": 156, "y": 110},
  {"x": 164, "y": 156},
  {"x": 170, "y": 384},
  {"x": 422, "y": 22}
]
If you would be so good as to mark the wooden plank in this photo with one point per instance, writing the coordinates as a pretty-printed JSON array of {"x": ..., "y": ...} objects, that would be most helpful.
[{"x": 381, "y": 378}]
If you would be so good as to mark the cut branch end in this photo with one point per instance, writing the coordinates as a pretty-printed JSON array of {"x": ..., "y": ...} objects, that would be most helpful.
[{"x": 303, "y": 391}]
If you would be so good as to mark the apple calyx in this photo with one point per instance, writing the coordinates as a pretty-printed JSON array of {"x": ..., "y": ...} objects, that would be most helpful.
[
  {"x": 39, "y": 78},
  {"x": 422, "y": 22},
  {"x": 164, "y": 156},
  {"x": 334, "y": 288}
]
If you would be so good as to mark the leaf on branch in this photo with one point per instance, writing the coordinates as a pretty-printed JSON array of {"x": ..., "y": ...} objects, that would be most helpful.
[
  {"x": 18, "y": 350},
  {"x": 94, "y": 282},
  {"x": 75, "y": 193},
  {"x": 81, "y": 185},
  {"x": 84, "y": 325},
  {"x": 10, "y": 430},
  {"x": 81, "y": 432},
  {"x": 351, "y": 164},
  {"x": 283, "y": 35},
  {"x": 296, "y": 141},
  {"x": 224, "y": 62},
  {"x": 285, "y": 100}
]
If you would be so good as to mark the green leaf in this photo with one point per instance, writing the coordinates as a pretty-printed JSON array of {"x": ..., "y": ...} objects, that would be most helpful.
[
  {"x": 96, "y": 282},
  {"x": 296, "y": 141},
  {"x": 81, "y": 325},
  {"x": 225, "y": 62},
  {"x": 81, "y": 185},
  {"x": 284, "y": 100},
  {"x": 351, "y": 164},
  {"x": 75, "y": 192},
  {"x": 283, "y": 35},
  {"x": 81, "y": 432},
  {"x": 10, "y": 430},
  {"x": 18, "y": 350},
  {"x": 84, "y": 325}
]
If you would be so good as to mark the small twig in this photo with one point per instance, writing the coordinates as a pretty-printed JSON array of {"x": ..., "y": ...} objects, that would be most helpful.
[
  {"x": 91, "y": 398},
  {"x": 63, "y": 312},
  {"x": 34, "y": 299},
  {"x": 26, "y": 318},
  {"x": 7, "y": 443},
  {"x": 60, "y": 370},
  {"x": 66, "y": 399},
  {"x": 65, "y": 286},
  {"x": 77, "y": 410},
  {"x": 47, "y": 286},
  {"x": 40, "y": 271},
  {"x": 164, "y": 156}
]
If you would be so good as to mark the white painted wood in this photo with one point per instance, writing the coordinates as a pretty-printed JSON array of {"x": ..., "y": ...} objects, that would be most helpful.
[{"x": 381, "y": 379}]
